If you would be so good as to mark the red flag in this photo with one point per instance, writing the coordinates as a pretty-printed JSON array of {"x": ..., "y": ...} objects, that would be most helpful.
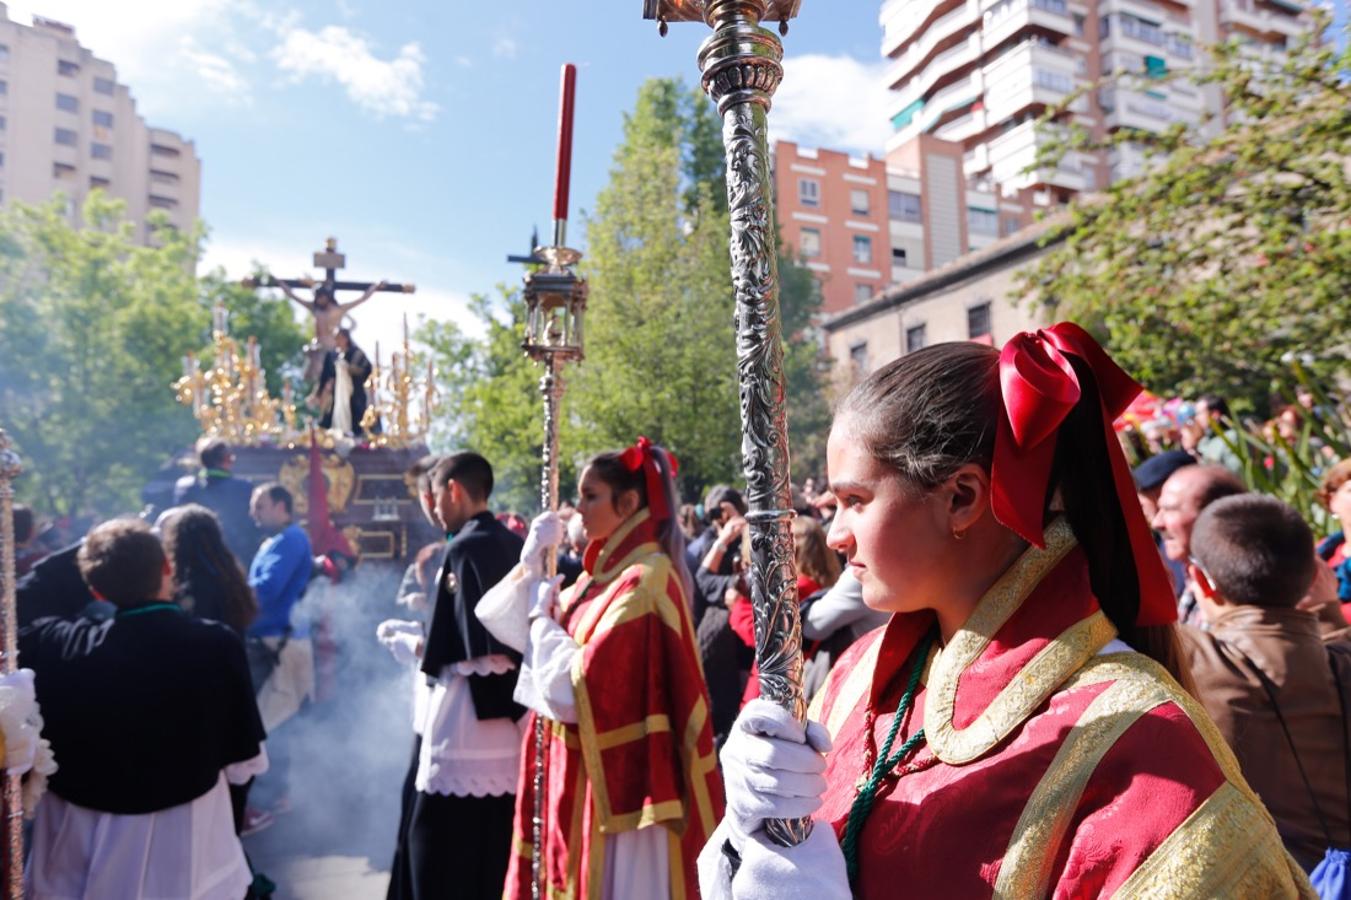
[{"x": 325, "y": 537}]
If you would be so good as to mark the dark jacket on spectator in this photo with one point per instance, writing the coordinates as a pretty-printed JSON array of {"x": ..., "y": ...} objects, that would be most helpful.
[
  {"x": 228, "y": 497},
  {"x": 1286, "y": 647}
]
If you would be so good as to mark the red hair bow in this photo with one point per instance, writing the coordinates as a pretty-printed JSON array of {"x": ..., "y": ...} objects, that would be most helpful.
[
  {"x": 643, "y": 454},
  {"x": 1039, "y": 388}
]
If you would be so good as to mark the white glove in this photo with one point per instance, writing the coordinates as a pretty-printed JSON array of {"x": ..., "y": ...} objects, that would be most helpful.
[
  {"x": 813, "y": 870},
  {"x": 403, "y": 639},
  {"x": 18, "y": 718},
  {"x": 545, "y": 534},
  {"x": 768, "y": 769},
  {"x": 544, "y": 599}
]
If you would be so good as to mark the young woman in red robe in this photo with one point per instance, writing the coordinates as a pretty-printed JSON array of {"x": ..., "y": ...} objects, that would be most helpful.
[
  {"x": 632, "y": 790},
  {"x": 1018, "y": 728}
]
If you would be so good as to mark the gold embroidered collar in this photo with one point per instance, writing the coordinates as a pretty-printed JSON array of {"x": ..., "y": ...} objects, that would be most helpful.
[
  {"x": 633, "y": 539},
  {"x": 1031, "y": 685}
]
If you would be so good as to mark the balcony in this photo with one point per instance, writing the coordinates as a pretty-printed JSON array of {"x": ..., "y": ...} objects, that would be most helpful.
[
  {"x": 1034, "y": 73},
  {"x": 908, "y": 20},
  {"x": 915, "y": 60},
  {"x": 945, "y": 63},
  {"x": 1251, "y": 17},
  {"x": 1008, "y": 17},
  {"x": 1012, "y": 152}
]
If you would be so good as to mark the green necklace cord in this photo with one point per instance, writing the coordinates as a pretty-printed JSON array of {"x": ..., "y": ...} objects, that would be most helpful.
[
  {"x": 148, "y": 608},
  {"x": 867, "y": 792}
]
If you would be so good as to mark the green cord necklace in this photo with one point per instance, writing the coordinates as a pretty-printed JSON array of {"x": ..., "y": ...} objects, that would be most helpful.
[{"x": 886, "y": 761}]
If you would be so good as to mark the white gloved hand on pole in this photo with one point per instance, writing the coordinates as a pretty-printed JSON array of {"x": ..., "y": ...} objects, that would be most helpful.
[
  {"x": 772, "y": 767},
  {"x": 545, "y": 534},
  {"x": 544, "y": 601},
  {"x": 403, "y": 639}
]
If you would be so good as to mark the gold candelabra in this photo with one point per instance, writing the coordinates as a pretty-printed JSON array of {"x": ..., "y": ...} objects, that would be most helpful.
[
  {"x": 230, "y": 399},
  {"x": 393, "y": 393}
]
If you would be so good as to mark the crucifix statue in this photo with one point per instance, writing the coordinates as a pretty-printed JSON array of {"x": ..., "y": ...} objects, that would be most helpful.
[{"x": 333, "y": 363}]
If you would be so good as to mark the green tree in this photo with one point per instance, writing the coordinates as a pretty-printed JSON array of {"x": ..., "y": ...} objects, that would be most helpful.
[
  {"x": 270, "y": 319},
  {"x": 1231, "y": 251},
  {"x": 660, "y": 349},
  {"x": 93, "y": 329},
  {"x": 490, "y": 400}
]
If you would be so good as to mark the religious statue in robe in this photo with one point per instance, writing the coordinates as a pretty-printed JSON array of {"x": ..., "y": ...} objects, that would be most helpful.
[{"x": 341, "y": 395}]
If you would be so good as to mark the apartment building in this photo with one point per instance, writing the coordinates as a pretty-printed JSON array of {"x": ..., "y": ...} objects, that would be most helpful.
[
  {"x": 832, "y": 209},
  {"x": 67, "y": 126},
  {"x": 978, "y": 73}
]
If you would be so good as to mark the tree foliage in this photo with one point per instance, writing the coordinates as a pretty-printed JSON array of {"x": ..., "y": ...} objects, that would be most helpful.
[
  {"x": 660, "y": 351},
  {"x": 1233, "y": 249},
  {"x": 93, "y": 330}
]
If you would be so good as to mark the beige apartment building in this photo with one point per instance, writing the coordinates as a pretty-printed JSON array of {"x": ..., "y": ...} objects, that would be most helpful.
[
  {"x": 67, "y": 126},
  {"x": 978, "y": 73}
]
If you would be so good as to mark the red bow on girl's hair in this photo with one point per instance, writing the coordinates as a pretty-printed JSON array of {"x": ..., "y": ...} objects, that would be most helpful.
[
  {"x": 644, "y": 454},
  {"x": 1039, "y": 389}
]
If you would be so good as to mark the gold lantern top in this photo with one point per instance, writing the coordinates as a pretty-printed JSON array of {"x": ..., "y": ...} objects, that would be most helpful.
[{"x": 555, "y": 302}]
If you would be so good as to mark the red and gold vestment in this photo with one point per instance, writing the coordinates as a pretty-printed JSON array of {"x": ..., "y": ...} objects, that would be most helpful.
[
  {"x": 1055, "y": 765},
  {"x": 641, "y": 753}
]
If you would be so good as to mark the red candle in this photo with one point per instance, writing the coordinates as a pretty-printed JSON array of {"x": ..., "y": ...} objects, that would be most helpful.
[{"x": 567, "y": 88}]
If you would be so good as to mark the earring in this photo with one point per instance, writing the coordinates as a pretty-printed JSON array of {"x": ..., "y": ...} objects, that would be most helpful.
[{"x": 958, "y": 535}]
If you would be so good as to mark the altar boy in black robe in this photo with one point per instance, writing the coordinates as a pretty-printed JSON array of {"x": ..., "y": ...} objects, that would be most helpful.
[
  {"x": 150, "y": 713},
  {"x": 458, "y": 837}
]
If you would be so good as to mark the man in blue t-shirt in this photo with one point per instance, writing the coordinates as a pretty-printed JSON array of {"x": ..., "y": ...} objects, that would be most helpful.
[{"x": 280, "y": 648}]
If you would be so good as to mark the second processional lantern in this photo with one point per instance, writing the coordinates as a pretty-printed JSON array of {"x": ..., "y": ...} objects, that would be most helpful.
[{"x": 555, "y": 303}]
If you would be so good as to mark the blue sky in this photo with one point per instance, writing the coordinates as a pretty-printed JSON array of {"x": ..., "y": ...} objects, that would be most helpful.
[{"x": 421, "y": 133}]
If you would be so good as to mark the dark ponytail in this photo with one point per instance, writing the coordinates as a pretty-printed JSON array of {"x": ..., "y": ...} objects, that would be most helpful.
[{"x": 1081, "y": 483}]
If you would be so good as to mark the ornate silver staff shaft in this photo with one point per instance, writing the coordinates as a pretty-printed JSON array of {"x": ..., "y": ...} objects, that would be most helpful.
[
  {"x": 551, "y": 389},
  {"x": 10, "y": 467},
  {"x": 555, "y": 299},
  {"x": 741, "y": 69}
]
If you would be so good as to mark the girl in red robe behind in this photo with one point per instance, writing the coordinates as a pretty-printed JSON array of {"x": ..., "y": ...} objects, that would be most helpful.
[
  {"x": 631, "y": 782},
  {"x": 1018, "y": 728}
]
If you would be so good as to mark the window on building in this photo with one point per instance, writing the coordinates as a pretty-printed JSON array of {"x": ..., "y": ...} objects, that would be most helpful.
[
  {"x": 162, "y": 150},
  {"x": 863, "y": 293},
  {"x": 1155, "y": 67},
  {"x": 898, "y": 256},
  {"x": 1078, "y": 24},
  {"x": 104, "y": 86},
  {"x": 4, "y": 87},
  {"x": 1053, "y": 81},
  {"x": 808, "y": 192},
  {"x": 163, "y": 177},
  {"x": 4, "y": 52},
  {"x": 2, "y": 159},
  {"x": 67, "y": 137},
  {"x": 916, "y": 337},
  {"x": 1104, "y": 27},
  {"x": 103, "y": 119},
  {"x": 858, "y": 202},
  {"x": 981, "y": 221},
  {"x": 858, "y": 358},
  {"x": 67, "y": 102},
  {"x": 163, "y": 202},
  {"x": 903, "y": 206},
  {"x": 63, "y": 171},
  {"x": 101, "y": 151},
  {"x": 863, "y": 249},
  {"x": 1009, "y": 224},
  {"x": 96, "y": 181},
  {"x": 3, "y": 123},
  {"x": 810, "y": 243},
  {"x": 978, "y": 320},
  {"x": 67, "y": 68}
]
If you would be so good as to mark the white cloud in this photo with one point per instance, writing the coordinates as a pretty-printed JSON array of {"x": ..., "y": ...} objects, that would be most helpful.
[
  {"x": 505, "y": 48},
  {"x": 464, "y": 62},
  {"x": 219, "y": 73},
  {"x": 831, "y": 101},
  {"x": 390, "y": 87}
]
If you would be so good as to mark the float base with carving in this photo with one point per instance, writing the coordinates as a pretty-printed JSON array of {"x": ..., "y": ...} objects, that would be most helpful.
[{"x": 369, "y": 500}]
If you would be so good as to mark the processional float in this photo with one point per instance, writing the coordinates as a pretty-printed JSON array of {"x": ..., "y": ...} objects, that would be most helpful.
[{"x": 741, "y": 68}]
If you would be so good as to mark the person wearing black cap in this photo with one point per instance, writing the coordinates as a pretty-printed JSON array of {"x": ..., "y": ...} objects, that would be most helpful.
[{"x": 1149, "y": 478}]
